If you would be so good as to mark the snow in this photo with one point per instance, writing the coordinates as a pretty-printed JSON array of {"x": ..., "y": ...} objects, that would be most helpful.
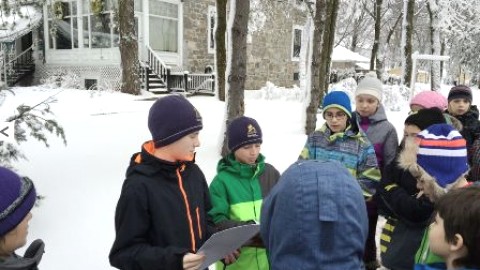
[
  {"x": 342, "y": 54},
  {"x": 81, "y": 181}
]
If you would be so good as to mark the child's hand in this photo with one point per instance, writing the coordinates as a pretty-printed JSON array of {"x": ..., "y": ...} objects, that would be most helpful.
[
  {"x": 232, "y": 257},
  {"x": 192, "y": 261}
]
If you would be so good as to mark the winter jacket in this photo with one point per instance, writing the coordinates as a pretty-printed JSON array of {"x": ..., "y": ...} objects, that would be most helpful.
[
  {"x": 315, "y": 218},
  {"x": 237, "y": 192},
  {"x": 161, "y": 213},
  {"x": 381, "y": 133},
  {"x": 471, "y": 125},
  {"x": 351, "y": 148},
  {"x": 424, "y": 256},
  {"x": 30, "y": 260}
]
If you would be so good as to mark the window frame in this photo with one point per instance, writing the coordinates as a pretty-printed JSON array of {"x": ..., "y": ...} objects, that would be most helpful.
[{"x": 295, "y": 28}]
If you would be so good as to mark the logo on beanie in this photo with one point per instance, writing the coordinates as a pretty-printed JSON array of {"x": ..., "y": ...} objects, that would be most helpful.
[{"x": 251, "y": 131}]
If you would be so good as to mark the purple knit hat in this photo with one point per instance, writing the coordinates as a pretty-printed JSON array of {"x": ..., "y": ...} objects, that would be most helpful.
[
  {"x": 460, "y": 91},
  {"x": 17, "y": 197},
  {"x": 242, "y": 131},
  {"x": 430, "y": 99},
  {"x": 171, "y": 118}
]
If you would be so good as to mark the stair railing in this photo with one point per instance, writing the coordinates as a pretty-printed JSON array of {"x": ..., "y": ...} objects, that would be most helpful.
[
  {"x": 19, "y": 61},
  {"x": 158, "y": 66}
]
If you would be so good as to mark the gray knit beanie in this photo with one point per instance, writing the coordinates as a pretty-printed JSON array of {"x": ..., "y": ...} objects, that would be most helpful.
[{"x": 370, "y": 85}]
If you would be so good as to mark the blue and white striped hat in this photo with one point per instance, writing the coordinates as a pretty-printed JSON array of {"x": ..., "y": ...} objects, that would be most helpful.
[{"x": 442, "y": 153}]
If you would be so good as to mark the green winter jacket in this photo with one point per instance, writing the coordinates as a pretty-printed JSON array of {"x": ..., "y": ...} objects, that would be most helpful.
[
  {"x": 424, "y": 254},
  {"x": 237, "y": 192}
]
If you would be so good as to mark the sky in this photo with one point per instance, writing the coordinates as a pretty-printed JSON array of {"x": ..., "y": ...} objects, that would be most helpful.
[{"x": 81, "y": 181}]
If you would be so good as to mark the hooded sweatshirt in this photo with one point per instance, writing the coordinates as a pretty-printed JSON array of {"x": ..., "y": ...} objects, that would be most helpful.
[{"x": 315, "y": 218}]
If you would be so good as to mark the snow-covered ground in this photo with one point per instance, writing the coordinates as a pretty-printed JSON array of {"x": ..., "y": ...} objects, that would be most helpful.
[{"x": 81, "y": 181}]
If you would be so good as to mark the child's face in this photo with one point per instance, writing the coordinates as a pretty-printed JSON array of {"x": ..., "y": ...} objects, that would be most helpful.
[
  {"x": 184, "y": 149},
  {"x": 366, "y": 105},
  {"x": 248, "y": 154},
  {"x": 336, "y": 119},
  {"x": 416, "y": 107},
  {"x": 17, "y": 237},
  {"x": 436, "y": 236},
  {"x": 458, "y": 106}
]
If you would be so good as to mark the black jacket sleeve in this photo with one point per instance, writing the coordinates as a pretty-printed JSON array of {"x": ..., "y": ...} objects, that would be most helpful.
[
  {"x": 398, "y": 195},
  {"x": 131, "y": 249}
]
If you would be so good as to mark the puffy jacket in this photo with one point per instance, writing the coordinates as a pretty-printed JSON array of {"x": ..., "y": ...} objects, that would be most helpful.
[
  {"x": 237, "y": 192},
  {"x": 30, "y": 260},
  {"x": 161, "y": 213}
]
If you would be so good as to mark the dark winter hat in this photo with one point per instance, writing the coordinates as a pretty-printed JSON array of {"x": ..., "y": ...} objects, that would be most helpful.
[
  {"x": 337, "y": 99},
  {"x": 171, "y": 118},
  {"x": 425, "y": 117},
  {"x": 242, "y": 131},
  {"x": 370, "y": 85},
  {"x": 460, "y": 91},
  {"x": 17, "y": 197}
]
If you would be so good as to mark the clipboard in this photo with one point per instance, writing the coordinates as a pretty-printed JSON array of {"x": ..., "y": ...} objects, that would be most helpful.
[{"x": 225, "y": 242}]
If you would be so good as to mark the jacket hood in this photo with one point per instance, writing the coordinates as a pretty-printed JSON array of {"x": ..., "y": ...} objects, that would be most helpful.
[
  {"x": 378, "y": 116},
  {"x": 315, "y": 215}
]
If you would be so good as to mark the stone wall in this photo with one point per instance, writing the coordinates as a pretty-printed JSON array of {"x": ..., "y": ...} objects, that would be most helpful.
[
  {"x": 195, "y": 23},
  {"x": 270, "y": 50}
]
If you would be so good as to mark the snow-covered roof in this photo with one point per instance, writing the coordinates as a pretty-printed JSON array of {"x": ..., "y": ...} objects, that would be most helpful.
[
  {"x": 342, "y": 54},
  {"x": 15, "y": 26}
]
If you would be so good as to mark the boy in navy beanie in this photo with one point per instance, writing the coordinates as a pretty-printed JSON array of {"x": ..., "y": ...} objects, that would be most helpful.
[
  {"x": 243, "y": 180},
  {"x": 161, "y": 218},
  {"x": 17, "y": 197}
]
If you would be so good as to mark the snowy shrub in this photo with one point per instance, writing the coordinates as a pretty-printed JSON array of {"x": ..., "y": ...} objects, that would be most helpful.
[
  {"x": 63, "y": 79},
  {"x": 270, "y": 92}
]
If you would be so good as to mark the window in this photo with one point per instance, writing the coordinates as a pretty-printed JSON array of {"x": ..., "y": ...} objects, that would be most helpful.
[
  {"x": 163, "y": 29},
  {"x": 96, "y": 30},
  {"x": 212, "y": 17},
  {"x": 62, "y": 25},
  {"x": 296, "y": 42}
]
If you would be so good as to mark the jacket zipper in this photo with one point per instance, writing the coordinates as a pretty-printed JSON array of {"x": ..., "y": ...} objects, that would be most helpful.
[{"x": 187, "y": 206}]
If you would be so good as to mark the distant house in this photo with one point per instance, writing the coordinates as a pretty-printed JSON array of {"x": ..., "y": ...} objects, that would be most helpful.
[
  {"x": 80, "y": 37},
  {"x": 17, "y": 21}
]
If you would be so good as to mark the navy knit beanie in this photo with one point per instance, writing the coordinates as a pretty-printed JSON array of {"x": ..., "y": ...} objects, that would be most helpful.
[
  {"x": 242, "y": 131},
  {"x": 17, "y": 197},
  {"x": 171, "y": 118},
  {"x": 424, "y": 118},
  {"x": 337, "y": 99},
  {"x": 460, "y": 91}
]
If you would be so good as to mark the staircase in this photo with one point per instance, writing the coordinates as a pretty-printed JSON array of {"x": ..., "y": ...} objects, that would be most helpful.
[
  {"x": 18, "y": 68},
  {"x": 159, "y": 78}
]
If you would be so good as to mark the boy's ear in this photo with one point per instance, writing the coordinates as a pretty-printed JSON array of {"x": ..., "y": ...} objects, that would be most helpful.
[{"x": 457, "y": 243}]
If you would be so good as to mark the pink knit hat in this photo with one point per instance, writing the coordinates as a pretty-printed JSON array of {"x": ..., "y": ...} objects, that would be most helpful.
[{"x": 430, "y": 99}]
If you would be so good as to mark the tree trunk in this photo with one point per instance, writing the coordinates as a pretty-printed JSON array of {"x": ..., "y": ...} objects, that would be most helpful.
[
  {"x": 220, "y": 48},
  {"x": 238, "y": 70},
  {"x": 315, "y": 96},
  {"x": 435, "y": 75},
  {"x": 376, "y": 42},
  {"x": 128, "y": 47},
  {"x": 408, "y": 42}
]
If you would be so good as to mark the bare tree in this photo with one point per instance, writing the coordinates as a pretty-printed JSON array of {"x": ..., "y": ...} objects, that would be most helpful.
[
  {"x": 238, "y": 68},
  {"x": 323, "y": 39},
  {"x": 128, "y": 47},
  {"x": 220, "y": 48},
  {"x": 376, "y": 43},
  {"x": 408, "y": 48}
]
